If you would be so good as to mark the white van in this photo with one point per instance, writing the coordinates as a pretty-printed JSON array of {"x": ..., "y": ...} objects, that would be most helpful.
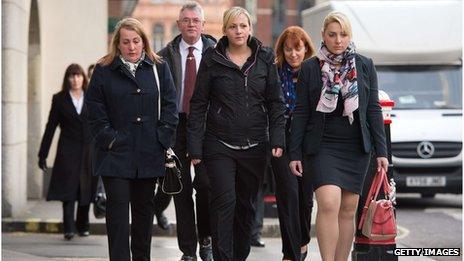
[{"x": 417, "y": 49}]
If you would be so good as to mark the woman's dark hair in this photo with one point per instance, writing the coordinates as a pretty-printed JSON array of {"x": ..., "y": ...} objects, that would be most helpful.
[{"x": 73, "y": 69}]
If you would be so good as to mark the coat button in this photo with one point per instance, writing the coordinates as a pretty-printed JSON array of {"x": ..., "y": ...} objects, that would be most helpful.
[
  {"x": 138, "y": 90},
  {"x": 138, "y": 119}
]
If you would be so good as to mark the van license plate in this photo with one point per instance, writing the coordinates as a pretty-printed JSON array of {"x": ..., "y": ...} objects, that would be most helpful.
[{"x": 425, "y": 181}]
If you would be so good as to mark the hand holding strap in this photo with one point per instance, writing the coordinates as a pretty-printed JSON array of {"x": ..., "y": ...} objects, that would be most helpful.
[{"x": 380, "y": 180}]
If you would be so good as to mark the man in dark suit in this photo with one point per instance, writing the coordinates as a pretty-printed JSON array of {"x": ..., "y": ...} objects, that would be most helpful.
[{"x": 183, "y": 55}]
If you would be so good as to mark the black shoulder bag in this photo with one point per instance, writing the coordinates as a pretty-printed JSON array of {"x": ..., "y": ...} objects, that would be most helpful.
[{"x": 172, "y": 181}]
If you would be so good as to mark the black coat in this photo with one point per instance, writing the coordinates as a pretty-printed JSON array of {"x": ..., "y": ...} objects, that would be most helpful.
[
  {"x": 71, "y": 177},
  {"x": 307, "y": 125},
  {"x": 123, "y": 112},
  {"x": 239, "y": 106}
]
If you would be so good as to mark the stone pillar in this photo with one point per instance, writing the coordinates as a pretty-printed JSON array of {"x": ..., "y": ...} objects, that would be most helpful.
[
  {"x": 34, "y": 123},
  {"x": 15, "y": 18}
]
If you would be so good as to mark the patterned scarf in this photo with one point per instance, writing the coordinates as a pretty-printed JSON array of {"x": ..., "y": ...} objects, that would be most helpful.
[
  {"x": 334, "y": 82},
  {"x": 132, "y": 67},
  {"x": 287, "y": 75}
]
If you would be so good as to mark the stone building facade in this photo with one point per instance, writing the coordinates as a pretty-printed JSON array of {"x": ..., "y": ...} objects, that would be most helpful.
[
  {"x": 40, "y": 38},
  {"x": 159, "y": 18}
]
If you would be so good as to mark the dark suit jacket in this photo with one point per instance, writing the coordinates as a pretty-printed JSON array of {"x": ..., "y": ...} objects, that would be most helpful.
[
  {"x": 71, "y": 169},
  {"x": 308, "y": 124},
  {"x": 171, "y": 54}
]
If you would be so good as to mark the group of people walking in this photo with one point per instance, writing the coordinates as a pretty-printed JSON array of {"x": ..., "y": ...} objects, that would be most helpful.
[{"x": 228, "y": 107}]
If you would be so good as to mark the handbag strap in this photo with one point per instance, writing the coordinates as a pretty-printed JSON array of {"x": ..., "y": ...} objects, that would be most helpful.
[
  {"x": 169, "y": 151},
  {"x": 380, "y": 180},
  {"x": 155, "y": 71}
]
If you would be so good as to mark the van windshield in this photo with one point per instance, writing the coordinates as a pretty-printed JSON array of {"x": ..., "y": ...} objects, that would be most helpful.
[{"x": 422, "y": 87}]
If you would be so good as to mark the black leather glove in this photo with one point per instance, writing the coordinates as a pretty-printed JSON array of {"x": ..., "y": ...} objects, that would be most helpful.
[{"x": 42, "y": 164}]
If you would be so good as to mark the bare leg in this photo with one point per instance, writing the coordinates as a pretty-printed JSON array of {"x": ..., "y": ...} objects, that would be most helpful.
[
  {"x": 328, "y": 205},
  {"x": 346, "y": 224}
]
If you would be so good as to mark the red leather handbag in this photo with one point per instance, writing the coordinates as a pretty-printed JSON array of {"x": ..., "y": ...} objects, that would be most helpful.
[{"x": 378, "y": 220}]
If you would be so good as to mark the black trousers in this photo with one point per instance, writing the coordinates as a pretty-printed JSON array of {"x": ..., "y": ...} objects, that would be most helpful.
[
  {"x": 235, "y": 177},
  {"x": 82, "y": 217},
  {"x": 294, "y": 206},
  {"x": 259, "y": 215},
  {"x": 183, "y": 202},
  {"x": 139, "y": 193}
]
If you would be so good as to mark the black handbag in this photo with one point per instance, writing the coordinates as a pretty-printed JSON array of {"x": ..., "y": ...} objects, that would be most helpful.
[
  {"x": 172, "y": 181},
  {"x": 99, "y": 205}
]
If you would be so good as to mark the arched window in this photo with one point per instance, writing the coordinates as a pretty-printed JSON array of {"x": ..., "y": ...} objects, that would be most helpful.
[{"x": 158, "y": 37}]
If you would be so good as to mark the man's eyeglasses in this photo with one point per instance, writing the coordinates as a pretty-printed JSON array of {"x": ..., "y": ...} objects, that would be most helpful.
[{"x": 188, "y": 21}]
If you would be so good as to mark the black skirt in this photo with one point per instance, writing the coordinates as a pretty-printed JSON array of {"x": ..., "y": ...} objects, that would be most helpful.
[{"x": 340, "y": 160}]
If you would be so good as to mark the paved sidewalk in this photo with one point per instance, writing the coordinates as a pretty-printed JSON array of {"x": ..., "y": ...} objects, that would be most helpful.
[
  {"x": 35, "y": 235},
  {"x": 41, "y": 247},
  {"x": 41, "y": 216}
]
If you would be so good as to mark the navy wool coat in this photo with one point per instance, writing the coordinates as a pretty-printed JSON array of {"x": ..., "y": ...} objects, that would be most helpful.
[{"x": 129, "y": 141}]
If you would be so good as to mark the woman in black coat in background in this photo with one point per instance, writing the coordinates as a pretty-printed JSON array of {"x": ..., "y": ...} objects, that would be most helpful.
[{"x": 71, "y": 179}]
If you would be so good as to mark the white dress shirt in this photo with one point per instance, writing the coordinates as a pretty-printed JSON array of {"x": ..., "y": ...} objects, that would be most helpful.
[
  {"x": 183, "y": 48},
  {"x": 78, "y": 102}
]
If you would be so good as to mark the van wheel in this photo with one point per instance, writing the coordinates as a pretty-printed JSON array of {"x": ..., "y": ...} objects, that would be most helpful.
[{"x": 428, "y": 195}]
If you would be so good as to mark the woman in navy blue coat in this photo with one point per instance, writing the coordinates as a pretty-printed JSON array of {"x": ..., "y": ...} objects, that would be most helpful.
[
  {"x": 337, "y": 123},
  {"x": 131, "y": 132}
]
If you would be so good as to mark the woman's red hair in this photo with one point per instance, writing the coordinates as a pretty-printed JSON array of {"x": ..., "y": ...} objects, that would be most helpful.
[{"x": 295, "y": 34}]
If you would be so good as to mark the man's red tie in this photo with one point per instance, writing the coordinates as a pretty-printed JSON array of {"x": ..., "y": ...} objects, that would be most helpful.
[{"x": 189, "y": 81}]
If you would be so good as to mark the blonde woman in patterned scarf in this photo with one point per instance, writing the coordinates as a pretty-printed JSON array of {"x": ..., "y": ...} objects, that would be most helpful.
[{"x": 337, "y": 124}]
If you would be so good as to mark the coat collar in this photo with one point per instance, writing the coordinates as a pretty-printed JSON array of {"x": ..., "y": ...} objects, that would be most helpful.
[
  {"x": 362, "y": 82},
  {"x": 221, "y": 57},
  {"x": 117, "y": 63}
]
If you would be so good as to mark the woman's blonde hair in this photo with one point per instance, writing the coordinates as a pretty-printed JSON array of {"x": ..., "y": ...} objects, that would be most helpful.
[
  {"x": 133, "y": 25},
  {"x": 231, "y": 14},
  {"x": 340, "y": 18}
]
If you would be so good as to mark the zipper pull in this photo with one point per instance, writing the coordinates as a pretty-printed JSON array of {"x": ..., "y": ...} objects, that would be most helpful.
[{"x": 246, "y": 80}]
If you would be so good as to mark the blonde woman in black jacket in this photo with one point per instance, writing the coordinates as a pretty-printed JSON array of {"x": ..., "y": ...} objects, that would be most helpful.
[{"x": 238, "y": 99}]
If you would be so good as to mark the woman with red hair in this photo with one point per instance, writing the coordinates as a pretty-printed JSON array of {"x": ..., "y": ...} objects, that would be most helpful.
[{"x": 294, "y": 202}]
